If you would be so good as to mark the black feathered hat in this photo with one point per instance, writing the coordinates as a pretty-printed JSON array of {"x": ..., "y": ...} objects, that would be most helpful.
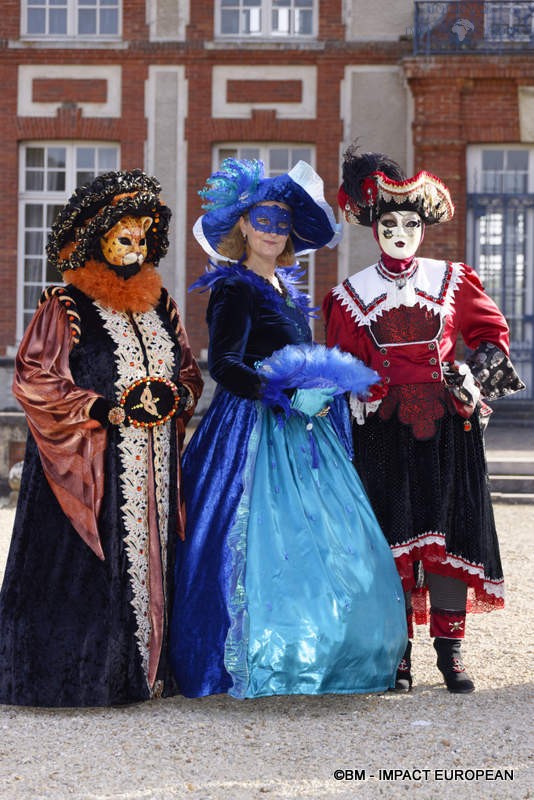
[
  {"x": 373, "y": 183},
  {"x": 96, "y": 207}
]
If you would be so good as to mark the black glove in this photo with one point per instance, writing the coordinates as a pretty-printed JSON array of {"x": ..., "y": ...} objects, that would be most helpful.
[{"x": 100, "y": 410}]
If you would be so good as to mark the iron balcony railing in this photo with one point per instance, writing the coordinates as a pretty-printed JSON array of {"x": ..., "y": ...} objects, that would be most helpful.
[{"x": 473, "y": 26}]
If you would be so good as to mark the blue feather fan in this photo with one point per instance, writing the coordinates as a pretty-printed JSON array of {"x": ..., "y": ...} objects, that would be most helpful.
[{"x": 310, "y": 367}]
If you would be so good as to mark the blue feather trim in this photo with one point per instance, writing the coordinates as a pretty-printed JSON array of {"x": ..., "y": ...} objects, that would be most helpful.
[
  {"x": 290, "y": 277},
  {"x": 309, "y": 366}
]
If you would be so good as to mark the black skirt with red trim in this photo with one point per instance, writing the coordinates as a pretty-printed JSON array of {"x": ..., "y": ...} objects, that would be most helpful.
[{"x": 433, "y": 502}]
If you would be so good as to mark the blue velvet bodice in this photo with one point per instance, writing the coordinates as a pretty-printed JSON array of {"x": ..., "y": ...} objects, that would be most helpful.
[{"x": 248, "y": 320}]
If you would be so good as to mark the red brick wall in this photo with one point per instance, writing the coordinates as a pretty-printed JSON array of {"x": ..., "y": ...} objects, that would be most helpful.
[
  {"x": 51, "y": 90},
  {"x": 460, "y": 101},
  {"x": 457, "y": 100},
  {"x": 69, "y": 123},
  {"x": 323, "y": 133},
  {"x": 245, "y": 91},
  {"x": 8, "y": 204}
]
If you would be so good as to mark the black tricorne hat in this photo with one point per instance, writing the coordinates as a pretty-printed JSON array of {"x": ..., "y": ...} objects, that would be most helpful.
[{"x": 373, "y": 183}]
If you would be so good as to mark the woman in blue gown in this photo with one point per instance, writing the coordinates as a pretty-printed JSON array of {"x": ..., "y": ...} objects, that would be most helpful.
[{"x": 284, "y": 584}]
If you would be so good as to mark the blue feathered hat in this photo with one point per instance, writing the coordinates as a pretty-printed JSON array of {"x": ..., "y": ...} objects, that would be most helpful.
[{"x": 240, "y": 184}]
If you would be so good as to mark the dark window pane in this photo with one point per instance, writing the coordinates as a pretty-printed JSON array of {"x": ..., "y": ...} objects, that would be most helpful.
[
  {"x": 304, "y": 23},
  {"x": 86, "y": 22},
  {"x": 227, "y": 152},
  {"x": 109, "y": 22},
  {"x": 52, "y": 275},
  {"x": 33, "y": 243},
  {"x": 33, "y": 215},
  {"x": 58, "y": 22},
  {"x": 84, "y": 177},
  {"x": 278, "y": 160},
  {"x": 514, "y": 182},
  {"x": 300, "y": 154},
  {"x": 36, "y": 20},
  {"x": 249, "y": 152},
  {"x": 34, "y": 182},
  {"x": 85, "y": 157},
  {"x": 55, "y": 182},
  {"x": 492, "y": 159},
  {"x": 31, "y": 296},
  {"x": 35, "y": 156},
  {"x": 33, "y": 270},
  {"x": 56, "y": 157},
  {"x": 517, "y": 160},
  {"x": 51, "y": 214},
  {"x": 229, "y": 22}
]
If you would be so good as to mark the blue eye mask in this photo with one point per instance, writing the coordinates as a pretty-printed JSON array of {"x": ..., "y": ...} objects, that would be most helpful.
[{"x": 270, "y": 219}]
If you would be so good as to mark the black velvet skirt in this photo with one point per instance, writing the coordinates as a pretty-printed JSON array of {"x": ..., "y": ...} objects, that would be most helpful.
[
  {"x": 67, "y": 629},
  {"x": 433, "y": 503}
]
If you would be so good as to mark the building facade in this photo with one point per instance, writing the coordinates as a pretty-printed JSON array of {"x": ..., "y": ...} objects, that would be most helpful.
[{"x": 173, "y": 86}]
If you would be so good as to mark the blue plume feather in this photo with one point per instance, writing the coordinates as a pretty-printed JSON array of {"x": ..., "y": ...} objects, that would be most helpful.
[
  {"x": 290, "y": 277},
  {"x": 214, "y": 272},
  {"x": 235, "y": 183},
  {"x": 312, "y": 366}
]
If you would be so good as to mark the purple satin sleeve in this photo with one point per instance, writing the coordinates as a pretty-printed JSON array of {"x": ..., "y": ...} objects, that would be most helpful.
[{"x": 71, "y": 445}]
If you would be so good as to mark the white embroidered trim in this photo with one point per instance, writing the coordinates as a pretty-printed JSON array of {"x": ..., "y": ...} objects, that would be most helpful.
[
  {"x": 495, "y": 588},
  {"x": 379, "y": 295},
  {"x": 160, "y": 353},
  {"x": 133, "y": 450}
]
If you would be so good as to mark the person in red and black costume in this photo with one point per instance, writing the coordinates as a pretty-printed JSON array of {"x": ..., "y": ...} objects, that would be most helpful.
[{"x": 418, "y": 435}]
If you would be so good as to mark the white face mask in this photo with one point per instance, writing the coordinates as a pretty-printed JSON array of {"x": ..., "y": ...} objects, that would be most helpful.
[{"x": 400, "y": 233}]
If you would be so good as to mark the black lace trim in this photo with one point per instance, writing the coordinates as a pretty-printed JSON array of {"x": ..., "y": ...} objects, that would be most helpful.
[{"x": 494, "y": 372}]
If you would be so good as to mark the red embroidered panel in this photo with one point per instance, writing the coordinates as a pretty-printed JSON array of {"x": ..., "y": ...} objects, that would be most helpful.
[
  {"x": 414, "y": 324},
  {"x": 418, "y": 405}
]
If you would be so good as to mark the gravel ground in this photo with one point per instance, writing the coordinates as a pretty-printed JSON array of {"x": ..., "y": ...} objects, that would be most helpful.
[{"x": 290, "y": 747}]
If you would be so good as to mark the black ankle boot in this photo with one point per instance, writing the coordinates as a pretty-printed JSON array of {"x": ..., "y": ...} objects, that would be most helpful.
[
  {"x": 450, "y": 665},
  {"x": 403, "y": 679}
]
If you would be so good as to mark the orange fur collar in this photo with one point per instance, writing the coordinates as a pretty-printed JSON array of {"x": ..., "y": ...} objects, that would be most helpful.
[{"x": 141, "y": 292}]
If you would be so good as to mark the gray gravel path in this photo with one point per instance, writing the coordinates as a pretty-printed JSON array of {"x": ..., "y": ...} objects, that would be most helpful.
[{"x": 283, "y": 748}]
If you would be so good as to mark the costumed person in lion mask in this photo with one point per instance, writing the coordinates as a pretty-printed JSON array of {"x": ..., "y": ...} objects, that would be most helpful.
[{"x": 107, "y": 381}]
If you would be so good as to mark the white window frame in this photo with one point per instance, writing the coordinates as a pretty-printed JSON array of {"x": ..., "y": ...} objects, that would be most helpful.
[
  {"x": 46, "y": 198},
  {"x": 507, "y": 34},
  {"x": 71, "y": 8},
  {"x": 241, "y": 150},
  {"x": 475, "y": 186},
  {"x": 475, "y": 168},
  {"x": 266, "y": 8}
]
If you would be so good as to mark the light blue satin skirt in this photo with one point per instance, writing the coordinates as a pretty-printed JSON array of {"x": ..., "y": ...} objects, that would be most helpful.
[{"x": 286, "y": 585}]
